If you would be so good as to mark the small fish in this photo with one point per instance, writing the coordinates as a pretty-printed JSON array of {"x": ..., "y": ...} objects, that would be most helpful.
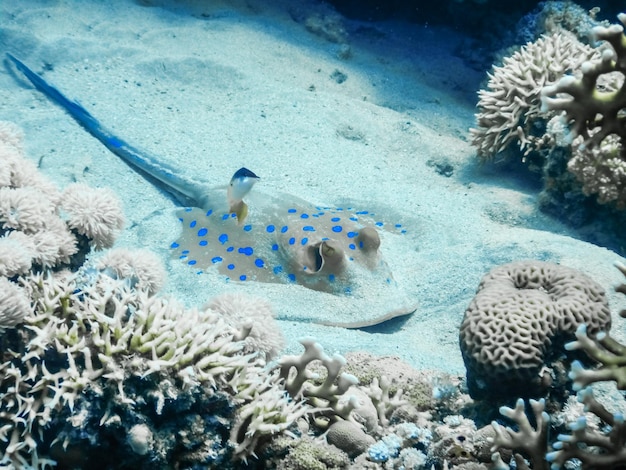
[{"x": 240, "y": 184}]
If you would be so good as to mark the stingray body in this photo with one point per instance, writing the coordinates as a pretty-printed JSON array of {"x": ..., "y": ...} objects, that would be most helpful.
[
  {"x": 282, "y": 239},
  {"x": 286, "y": 239}
]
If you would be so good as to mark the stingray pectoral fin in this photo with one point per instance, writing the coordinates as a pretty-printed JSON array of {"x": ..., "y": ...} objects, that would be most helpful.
[{"x": 372, "y": 321}]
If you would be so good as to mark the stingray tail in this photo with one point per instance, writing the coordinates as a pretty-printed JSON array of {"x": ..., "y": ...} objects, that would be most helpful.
[{"x": 139, "y": 160}]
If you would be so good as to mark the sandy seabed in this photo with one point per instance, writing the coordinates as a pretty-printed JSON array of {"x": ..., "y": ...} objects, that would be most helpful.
[{"x": 331, "y": 110}]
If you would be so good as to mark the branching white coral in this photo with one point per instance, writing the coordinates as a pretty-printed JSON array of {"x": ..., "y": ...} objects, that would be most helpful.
[
  {"x": 243, "y": 311},
  {"x": 142, "y": 268},
  {"x": 511, "y": 104}
]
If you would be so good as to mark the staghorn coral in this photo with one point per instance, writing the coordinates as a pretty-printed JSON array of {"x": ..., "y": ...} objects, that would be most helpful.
[
  {"x": 521, "y": 310},
  {"x": 527, "y": 440},
  {"x": 594, "y": 104},
  {"x": 510, "y": 107}
]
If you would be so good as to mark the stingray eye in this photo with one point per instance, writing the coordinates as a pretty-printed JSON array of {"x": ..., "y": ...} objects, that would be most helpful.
[{"x": 368, "y": 239}]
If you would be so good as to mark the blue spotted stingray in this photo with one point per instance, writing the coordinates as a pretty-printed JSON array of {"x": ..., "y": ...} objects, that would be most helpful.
[
  {"x": 283, "y": 239},
  {"x": 322, "y": 248}
]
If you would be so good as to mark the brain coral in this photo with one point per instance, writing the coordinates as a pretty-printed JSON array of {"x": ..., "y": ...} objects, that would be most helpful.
[{"x": 520, "y": 311}]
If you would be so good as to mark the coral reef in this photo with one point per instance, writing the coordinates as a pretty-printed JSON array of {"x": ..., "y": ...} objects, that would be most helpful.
[
  {"x": 510, "y": 107},
  {"x": 558, "y": 16},
  {"x": 593, "y": 105},
  {"x": 539, "y": 103},
  {"x": 256, "y": 315},
  {"x": 591, "y": 437},
  {"x": 41, "y": 227},
  {"x": 96, "y": 368},
  {"x": 521, "y": 312}
]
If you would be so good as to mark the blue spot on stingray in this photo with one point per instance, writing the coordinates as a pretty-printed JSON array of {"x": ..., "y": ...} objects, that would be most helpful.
[
  {"x": 398, "y": 225},
  {"x": 247, "y": 228},
  {"x": 304, "y": 216},
  {"x": 180, "y": 219},
  {"x": 209, "y": 212},
  {"x": 230, "y": 249},
  {"x": 223, "y": 238},
  {"x": 352, "y": 246},
  {"x": 304, "y": 241},
  {"x": 291, "y": 277},
  {"x": 174, "y": 245},
  {"x": 292, "y": 211},
  {"x": 274, "y": 247},
  {"x": 231, "y": 266},
  {"x": 361, "y": 212},
  {"x": 203, "y": 243},
  {"x": 233, "y": 215},
  {"x": 259, "y": 263},
  {"x": 325, "y": 239},
  {"x": 335, "y": 219},
  {"x": 243, "y": 277},
  {"x": 337, "y": 228},
  {"x": 246, "y": 250},
  {"x": 182, "y": 257},
  {"x": 202, "y": 232},
  {"x": 225, "y": 216},
  {"x": 354, "y": 219},
  {"x": 270, "y": 228},
  {"x": 347, "y": 291},
  {"x": 308, "y": 228},
  {"x": 185, "y": 252},
  {"x": 361, "y": 245},
  {"x": 193, "y": 223},
  {"x": 191, "y": 262},
  {"x": 351, "y": 234},
  {"x": 379, "y": 224},
  {"x": 216, "y": 259},
  {"x": 283, "y": 229},
  {"x": 331, "y": 278},
  {"x": 292, "y": 241},
  {"x": 277, "y": 270},
  {"x": 188, "y": 209}
]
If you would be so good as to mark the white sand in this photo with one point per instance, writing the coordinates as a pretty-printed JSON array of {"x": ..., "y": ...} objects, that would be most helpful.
[{"x": 211, "y": 89}]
